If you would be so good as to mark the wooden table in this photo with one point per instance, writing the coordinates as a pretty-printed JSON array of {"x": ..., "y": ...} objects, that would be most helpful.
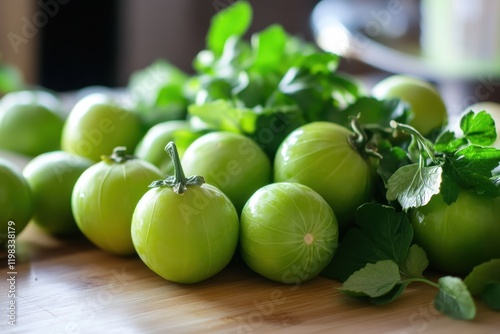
[{"x": 70, "y": 286}]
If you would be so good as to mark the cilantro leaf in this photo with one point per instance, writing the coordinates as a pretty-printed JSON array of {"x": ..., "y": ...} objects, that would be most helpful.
[
  {"x": 373, "y": 280},
  {"x": 414, "y": 185},
  {"x": 269, "y": 46},
  {"x": 415, "y": 262},
  {"x": 449, "y": 186},
  {"x": 374, "y": 111},
  {"x": 233, "y": 20},
  {"x": 478, "y": 128},
  {"x": 471, "y": 169},
  {"x": 447, "y": 142},
  {"x": 481, "y": 274},
  {"x": 393, "y": 157},
  {"x": 316, "y": 88},
  {"x": 454, "y": 300},
  {"x": 223, "y": 115},
  {"x": 380, "y": 233},
  {"x": 395, "y": 292}
]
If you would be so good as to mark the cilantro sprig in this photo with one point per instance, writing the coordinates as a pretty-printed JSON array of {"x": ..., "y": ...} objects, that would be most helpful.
[
  {"x": 451, "y": 164},
  {"x": 376, "y": 260}
]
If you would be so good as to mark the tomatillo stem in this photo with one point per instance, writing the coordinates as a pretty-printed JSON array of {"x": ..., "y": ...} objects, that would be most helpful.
[
  {"x": 359, "y": 140},
  {"x": 178, "y": 181},
  {"x": 179, "y": 177},
  {"x": 118, "y": 156}
]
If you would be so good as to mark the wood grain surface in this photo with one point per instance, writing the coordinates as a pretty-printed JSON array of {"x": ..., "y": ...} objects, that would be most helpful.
[{"x": 71, "y": 286}]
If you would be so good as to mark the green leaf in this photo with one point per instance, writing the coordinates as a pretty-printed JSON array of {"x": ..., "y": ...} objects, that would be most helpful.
[
  {"x": 481, "y": 274},
  {"x": 454, "y": 300},
  {"x": 222, "y": 115},
  {"x": 269, "y": 46},
  {"x": 449, "y": 186},
  {"x": 491, "y": 295},
  {"x": 478, "y": 128},
  {"x": 447, "y": 142},
  {"x": 10, "y": 79},
  {"x": 373, "y": 111},
  {"x": 272, "y": 126},
  {"x": 157, "y": 92},
  {"x": 395, "y": 292},
  {"x": 393, "y": 157},
  {"x": 415, "y": 262},
  {"x": 373, "y": 280},
  {"x": 414, "y": 185},
  {"x": 380, "y": 233},
  {"x": 313, "y": 85},
  {"x": 471, "y": 168},
  {"x": 233, "y": 20}
]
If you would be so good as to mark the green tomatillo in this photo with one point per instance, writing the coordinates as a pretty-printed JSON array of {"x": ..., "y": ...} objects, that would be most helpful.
[
  {"x": 184, "y": 229},
  {"x": 104, "y": 198}
]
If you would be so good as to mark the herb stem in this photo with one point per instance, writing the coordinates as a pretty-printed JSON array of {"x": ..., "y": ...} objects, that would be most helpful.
[
  {"x": 423, "y": 143},
  {"x": 423, "y": 280}
]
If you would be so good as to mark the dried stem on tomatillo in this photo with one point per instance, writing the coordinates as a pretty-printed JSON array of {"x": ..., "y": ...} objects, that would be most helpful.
[
  {"x": 118, "y": 156},
  {"x": 178, "y": 181},
  {"x": 359, "y": 140}
]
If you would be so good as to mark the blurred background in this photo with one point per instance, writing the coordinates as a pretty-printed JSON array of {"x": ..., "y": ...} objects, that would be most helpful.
[
  {"x": 65, "y": 45},
  {"x": 88, "y": 42}
]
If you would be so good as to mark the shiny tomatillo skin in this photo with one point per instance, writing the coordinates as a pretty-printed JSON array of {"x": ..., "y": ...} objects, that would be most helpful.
[
  {"x": 320, "y": 156},
  {"x": 183, "y": 229},
  {"x": 105, "y": 196},
  {"x": 288, "y": 232},
  {"x": 458, "y": 236}
]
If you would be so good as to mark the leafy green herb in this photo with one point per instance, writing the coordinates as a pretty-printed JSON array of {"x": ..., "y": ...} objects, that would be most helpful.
[
  {"x": 414, "y": 185},
  {"x": 10, "y": 79},
  {"x": 481, "y": 274},
  {"x": 471, "y": 169},
  {"x": 375, "y": 261},
  {"x": 393, "y": 157},
  {"x": 157, "y": 93},
  {"x": 315, "y": 86},
  {"x": 448, "y": 166},
  {"x": 232, "y": 21},
  {"x": 390, "y": 296},
  {"x": 380, "y": 233},
  {"x": 416, "y": 262},
  {"x": 370, "y": 111},
  {"x": 478, "y": 129},
  {"x": 269, "y": 47},
  {"x": 373, "y": 280},
  {"x": 454, "y": 300}
]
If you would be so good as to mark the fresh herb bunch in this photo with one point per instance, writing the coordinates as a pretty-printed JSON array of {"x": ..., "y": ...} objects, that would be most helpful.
[
  {"x": 263, "y": 86},
  {"x": 453, "y": 163}
]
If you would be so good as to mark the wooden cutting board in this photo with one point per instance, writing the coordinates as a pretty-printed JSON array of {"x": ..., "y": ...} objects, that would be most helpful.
[{"x": 72, "y": 287}]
